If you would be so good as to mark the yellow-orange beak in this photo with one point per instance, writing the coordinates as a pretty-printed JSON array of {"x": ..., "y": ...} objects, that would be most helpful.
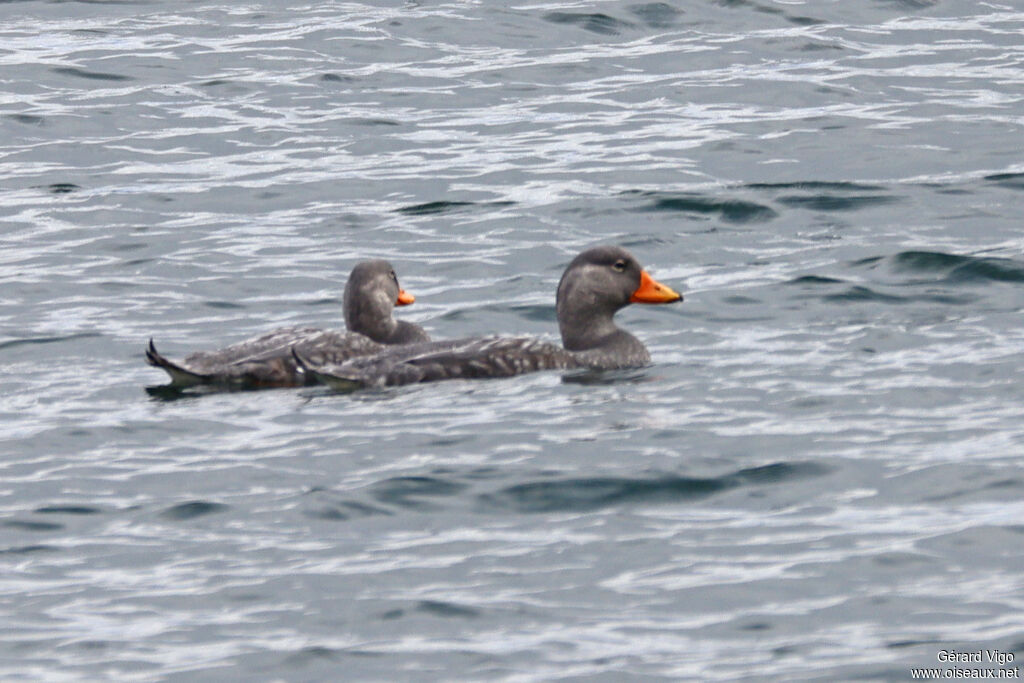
[
  {"x": 651, "y": 291},
  {"x": 404, "y": 298}
]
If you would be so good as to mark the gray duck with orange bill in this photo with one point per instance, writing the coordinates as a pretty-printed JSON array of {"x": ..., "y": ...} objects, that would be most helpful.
[
  {"x": 595, "y": 285},
  {"x": 371, "y": 293}
]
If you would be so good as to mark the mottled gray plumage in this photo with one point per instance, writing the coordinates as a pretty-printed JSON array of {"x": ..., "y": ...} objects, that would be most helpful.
[
  {"x": 595, "y": 285},
  {"x": 267, "y": 361},
  {"x": 471, "y": 358}
]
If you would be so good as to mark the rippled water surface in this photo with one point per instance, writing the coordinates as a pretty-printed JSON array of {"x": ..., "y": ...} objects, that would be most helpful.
[{"x": 819, "y": 477}]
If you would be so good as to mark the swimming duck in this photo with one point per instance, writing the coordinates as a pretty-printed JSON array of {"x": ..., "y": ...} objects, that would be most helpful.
[
  {"x": 371, "y": 293},
  {"x": 595, "y": 285}
]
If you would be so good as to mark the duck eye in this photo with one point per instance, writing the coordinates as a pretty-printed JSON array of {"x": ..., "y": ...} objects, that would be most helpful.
[
  {"x": 393, "y": 276},
  {"x": 619, "y": 266}
]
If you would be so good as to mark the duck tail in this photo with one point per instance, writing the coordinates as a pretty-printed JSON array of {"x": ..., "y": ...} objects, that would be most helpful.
[{"x": 180, "y": 377}]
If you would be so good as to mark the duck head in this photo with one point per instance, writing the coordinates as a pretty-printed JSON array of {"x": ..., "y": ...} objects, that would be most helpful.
[{"x": 597, "y": 284}]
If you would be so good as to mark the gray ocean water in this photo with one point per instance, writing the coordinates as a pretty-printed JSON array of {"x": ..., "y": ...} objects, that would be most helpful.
[{"x": 819, "y": 478}]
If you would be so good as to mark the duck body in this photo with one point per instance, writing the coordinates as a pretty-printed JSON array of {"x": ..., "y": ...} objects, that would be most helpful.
[
  {"x": 595, "y": 285},
  {"x": 266, "y": 360},
  {"x": 469, "y": 358}
]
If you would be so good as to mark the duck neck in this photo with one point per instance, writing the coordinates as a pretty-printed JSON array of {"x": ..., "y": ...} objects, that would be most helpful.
[
  {"x": 371, "y": 315},
  {"x": 584, "y": 328}
]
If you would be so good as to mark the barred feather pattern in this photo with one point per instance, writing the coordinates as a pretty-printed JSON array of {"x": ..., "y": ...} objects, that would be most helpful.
[
  {"x": 266, "y": 360},
  {"x": 475, "y": 358}
]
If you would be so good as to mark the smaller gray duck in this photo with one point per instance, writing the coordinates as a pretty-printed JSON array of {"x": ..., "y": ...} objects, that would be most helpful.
[
  {"x": 371, "y": 293},
  {"x": 595, "y": 286}
]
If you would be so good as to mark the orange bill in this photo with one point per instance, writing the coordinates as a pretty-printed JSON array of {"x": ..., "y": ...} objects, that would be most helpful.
[
  {"x": 404, "y": 298},
  {"x": 651, "y": 291}
]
